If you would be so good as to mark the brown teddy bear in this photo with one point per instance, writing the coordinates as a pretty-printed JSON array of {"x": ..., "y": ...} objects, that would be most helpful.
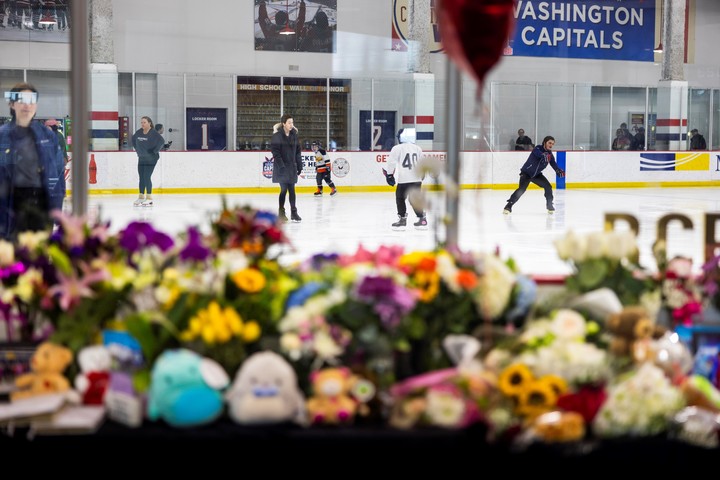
[
  {"x": 47, "y": 363},
  {"x": 631, "y": 331},
  {"x": 332, "y": 401}
]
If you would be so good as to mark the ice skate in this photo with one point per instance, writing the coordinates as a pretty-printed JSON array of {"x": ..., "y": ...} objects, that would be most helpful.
[
  {"x": 333, "y": 192},
  {"x": 508, "y": 209},
  {"x": 550, "y": 208},
  {"x": 318, "y": 192},
  {"x": 294, "y": 215},
  {"x": 148, "y": 202},
  {"x": 281, "y": 215},
  {"x": 401, "y": 223},
  {"x": 421, "y": 223},
  {"x": 138, "y": 202}
]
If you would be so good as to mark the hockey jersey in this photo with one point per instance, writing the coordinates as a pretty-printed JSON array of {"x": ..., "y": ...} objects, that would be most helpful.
[
  {"x": 322, "y": 161},
  {"x": 405, "y": 162}
]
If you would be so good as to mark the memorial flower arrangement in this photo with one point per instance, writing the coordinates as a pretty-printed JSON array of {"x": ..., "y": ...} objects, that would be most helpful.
[
  {"x": 371, "y": 306},
  {"x": 411, "y": 322}
]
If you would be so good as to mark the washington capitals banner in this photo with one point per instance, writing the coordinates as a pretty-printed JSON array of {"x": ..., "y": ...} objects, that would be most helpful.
[{"x": 594, "y": 29}]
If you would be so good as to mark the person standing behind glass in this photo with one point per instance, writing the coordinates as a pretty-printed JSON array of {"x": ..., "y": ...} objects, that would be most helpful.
[
  {"x": 523, "y": 142},
  {"x": 32, "y": 180},
  {"x": 287, "y": 164},
  {"x": 147, "y": 143}
]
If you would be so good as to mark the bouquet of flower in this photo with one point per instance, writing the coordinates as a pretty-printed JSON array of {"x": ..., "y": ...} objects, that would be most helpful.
[
  {"x": 641, "y": 404},
  {"x": 605, "y": 259}
]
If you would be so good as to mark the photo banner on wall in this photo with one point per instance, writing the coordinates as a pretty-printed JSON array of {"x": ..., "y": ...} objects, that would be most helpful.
[
  {"x": 206, "y": 129},
  {"x": 592, "y": 29},
  {"x": 382, "y": 135},
  {"x": 35, "y": 21},
  {"x": 296, "y": 25}
]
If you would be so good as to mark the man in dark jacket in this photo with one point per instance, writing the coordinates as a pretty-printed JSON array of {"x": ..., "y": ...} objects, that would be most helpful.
[
  {"x": 697, "y": 141},
  {"x": 32, "y": 180},
  {"x": 523, "y": 142},
  {"x": 531, "y": 171},
  {"x": 287, "y": 164}
]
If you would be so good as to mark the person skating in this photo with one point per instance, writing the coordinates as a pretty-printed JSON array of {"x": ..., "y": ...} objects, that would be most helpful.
[
  {"x": 287, "y": 164},
  {"x": 531, "y": 171},
  {"x": 322, "y": 170},
  {"x": 404, "y": 167},
  {"x": 147, "y": 143}
]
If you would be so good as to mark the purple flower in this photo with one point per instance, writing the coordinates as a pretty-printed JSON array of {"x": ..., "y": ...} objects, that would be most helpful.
[
  {"x": 139, "y": 235},
  {"x": 390, "y": 301},
  {"x": 195, "y": 249}
]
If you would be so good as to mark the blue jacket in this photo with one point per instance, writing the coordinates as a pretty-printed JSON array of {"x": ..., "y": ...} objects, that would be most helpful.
[
  {"x": 52, "y": 171},
  {"x": 538, "y": 159}
]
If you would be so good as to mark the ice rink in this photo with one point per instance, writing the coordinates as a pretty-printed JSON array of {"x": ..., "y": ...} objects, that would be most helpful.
[{"x": 341, "y": 223}]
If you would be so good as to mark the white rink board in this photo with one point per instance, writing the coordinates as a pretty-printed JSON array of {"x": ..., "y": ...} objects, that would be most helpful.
[{"x": 117, "y": 171}]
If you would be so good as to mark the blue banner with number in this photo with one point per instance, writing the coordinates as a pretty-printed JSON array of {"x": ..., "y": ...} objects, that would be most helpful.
[
  {"x": 595, "y": 29},
  {"x": 382, "y": 135},
  {"x": 206, "y": 129}
]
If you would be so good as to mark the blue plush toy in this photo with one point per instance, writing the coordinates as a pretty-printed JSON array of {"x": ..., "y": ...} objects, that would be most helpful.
[{"x": 186, "y": 389}]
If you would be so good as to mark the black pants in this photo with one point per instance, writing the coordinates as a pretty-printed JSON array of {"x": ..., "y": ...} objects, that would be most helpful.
[
  {"x": 30, "y": 207},
  {"x": 324, "y": 176},
  {"x": 525, "y": 180},
  {"x": 145, "y": 171},
  {"x": 285, "y": 189},
  {"x": 401, "y": 195}
]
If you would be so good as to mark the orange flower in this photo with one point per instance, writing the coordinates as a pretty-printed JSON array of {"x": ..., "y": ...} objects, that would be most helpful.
[
  {"x": 249, "y": 280},
  {"x": 467, "y": 279}
]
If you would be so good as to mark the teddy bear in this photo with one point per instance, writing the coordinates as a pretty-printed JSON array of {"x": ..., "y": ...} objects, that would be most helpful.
[
  {"x": 332, "y": 401},
  {"x": 632, "y": 330},
  {"x": 92, "y": 382},
  {"x": 47, "y": 363}
]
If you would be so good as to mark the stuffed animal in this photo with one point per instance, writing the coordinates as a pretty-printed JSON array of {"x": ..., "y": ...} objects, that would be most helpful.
[
  {"x": 632, "y": 331},
  {"x": 332, "y": 402},
  {"x": 92, "y": 382},
  {"x": 265, "y": 391},
  {"x": 185, "y": 389},
  {"x": 47, "y": 363}
]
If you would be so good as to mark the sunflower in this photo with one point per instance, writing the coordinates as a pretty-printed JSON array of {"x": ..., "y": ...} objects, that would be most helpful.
[
  {"x": 536, "y": 398},
  {"x": 513, "y": 379}
]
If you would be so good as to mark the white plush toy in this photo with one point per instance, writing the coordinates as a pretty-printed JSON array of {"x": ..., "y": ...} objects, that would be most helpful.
[
  {"x": 265, "y": 391},
  {"x": 95, "y": 362}
]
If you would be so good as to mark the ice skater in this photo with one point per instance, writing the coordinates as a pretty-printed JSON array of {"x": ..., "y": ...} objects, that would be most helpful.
[
  {"x": 323, "y": 170},
  {"x": 405, "y": 163},
  {"x": 531, "y": 171}
]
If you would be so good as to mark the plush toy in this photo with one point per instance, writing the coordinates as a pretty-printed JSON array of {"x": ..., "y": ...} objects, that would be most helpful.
[
  {"x": 332, "y": 401},
  {"x": 92, "y": 382},
  {"x": 185, "y": 389},
  {"x": 632, "y": 331},
  {"x": 558, "y": 426},
  {"x": 47, "y": 363},
  {"x": 265, "y": 391}
]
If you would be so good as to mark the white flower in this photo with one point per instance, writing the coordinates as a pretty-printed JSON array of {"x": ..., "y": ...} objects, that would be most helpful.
[
  {"x": 642, "y": 404},
  {"x": 568, "y": 325},
  {"x": 571, "y": 247},
  {"x": 597, "y": 245},
  {"x": 448, "y": 271},
  {"x": 495, "y": 285},
  {"x": 32, "y": 240},
  {"x": 444, "y": 409},
  {"x": 575, "y": 362}
]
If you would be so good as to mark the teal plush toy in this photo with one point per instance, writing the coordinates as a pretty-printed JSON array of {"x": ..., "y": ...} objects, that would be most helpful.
[{"x": 186, "y": 389}]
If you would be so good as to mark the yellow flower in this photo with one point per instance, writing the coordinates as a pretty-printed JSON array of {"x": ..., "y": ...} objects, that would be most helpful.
[
  {"x": 536, "y": 398},
  {"x": 249, "y": 280},
  {"x": 428, "y": 285},
  {"x": 514, "y": 378},
  {"x": 557, "y": 383},
  {"x": 251, "y": 332}
]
